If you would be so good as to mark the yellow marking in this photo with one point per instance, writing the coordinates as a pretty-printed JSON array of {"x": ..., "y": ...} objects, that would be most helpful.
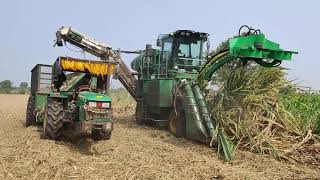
[{"x": 96, "y": 68}]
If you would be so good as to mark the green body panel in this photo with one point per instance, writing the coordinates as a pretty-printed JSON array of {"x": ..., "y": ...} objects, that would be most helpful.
[
  {"x": 41, "y": 99},
  {"x": 40, "y": 105},
  {"x": 61, "y": 94},
  {"x": 257, "y": 46},
  {"x": 158, "y": 94},
  {"x": 85, "y": 96}
]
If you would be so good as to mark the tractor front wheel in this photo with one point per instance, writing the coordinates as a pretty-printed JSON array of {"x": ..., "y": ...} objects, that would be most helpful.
[
  {"x": 30, "y": 116},
  {"x": 98, "y": 135},
  {"x": 53, "y": 125}
]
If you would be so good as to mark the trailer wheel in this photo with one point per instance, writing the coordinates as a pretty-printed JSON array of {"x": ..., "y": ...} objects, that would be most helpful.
[
  {"x": 98, "y": 135},
  {"x": 30, "y": 116},
  {"x": 53, "y": 125}
]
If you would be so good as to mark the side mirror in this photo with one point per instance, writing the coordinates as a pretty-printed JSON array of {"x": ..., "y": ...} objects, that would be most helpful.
[
  {"x": 208, "y": 47},
  {"x": 159, "y": 42}
]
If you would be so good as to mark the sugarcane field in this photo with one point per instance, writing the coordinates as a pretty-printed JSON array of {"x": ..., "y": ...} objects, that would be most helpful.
[{"x": 155, "y": 90}]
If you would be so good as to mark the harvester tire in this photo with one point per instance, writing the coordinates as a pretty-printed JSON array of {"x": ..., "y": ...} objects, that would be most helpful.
[
  {"x": 53, "y": 125},
  {"x": 30, "y": 116},
  {"x": 177, "y": 124},
  {"x": 98, "y": 135},
  {"x": 139, "y": 116}
]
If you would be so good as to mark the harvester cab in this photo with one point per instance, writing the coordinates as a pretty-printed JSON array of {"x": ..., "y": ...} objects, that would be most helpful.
[
  {"x": 72, "y": 95},
  {"x": 184, "y": 48}
]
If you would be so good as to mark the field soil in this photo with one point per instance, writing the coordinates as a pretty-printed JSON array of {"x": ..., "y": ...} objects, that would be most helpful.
[{"x": 133, "y": 152}]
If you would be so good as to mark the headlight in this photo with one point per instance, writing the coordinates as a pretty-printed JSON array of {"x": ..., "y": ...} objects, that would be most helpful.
[
  {"x": 99, "y": 104},
  {"x": 106, "y": 105},
  {"x": 92, "y": 104}
]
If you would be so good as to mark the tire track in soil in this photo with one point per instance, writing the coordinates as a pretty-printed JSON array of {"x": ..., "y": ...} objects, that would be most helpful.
[{"x": 133, "y": 152}]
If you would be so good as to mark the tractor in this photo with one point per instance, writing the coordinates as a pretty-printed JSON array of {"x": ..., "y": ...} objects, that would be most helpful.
[
  {"x": 168, "y": 81},
  {"x": 71, "y": 96}
]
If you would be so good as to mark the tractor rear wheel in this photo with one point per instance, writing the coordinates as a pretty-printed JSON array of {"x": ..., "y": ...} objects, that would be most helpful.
[
  {"x": 30, "y": 116},
  {"x": 98, "y": 135},
  {"x": 53, "y": 125}
]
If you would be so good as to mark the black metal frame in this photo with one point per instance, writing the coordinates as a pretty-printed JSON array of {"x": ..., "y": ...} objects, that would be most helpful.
[{"x": 37, "y": 76}]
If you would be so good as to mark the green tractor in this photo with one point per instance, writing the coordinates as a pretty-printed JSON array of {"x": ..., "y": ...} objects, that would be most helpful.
[{"x": 76, "y": 102}]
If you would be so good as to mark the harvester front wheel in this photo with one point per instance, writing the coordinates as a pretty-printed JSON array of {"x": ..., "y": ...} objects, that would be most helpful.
[
  {"x": 139, "y": 113},
  {"x": 98, "y": 135},
  {"x": 30, "y": 116},
  {"x": 177, "y": 124},
  {"x": 53, "y": 125}
]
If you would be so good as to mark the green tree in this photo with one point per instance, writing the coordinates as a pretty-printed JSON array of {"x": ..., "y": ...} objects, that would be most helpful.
[
  {"x": 6, "y": 86},
  {"x": 23, "y": 85}
]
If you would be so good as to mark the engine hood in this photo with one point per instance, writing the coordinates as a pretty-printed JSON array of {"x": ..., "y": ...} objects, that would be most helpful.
[{"x": 85, "y": 96}]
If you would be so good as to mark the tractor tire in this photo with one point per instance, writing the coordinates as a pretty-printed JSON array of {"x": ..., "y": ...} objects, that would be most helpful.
[
  {"x": 53, "y": 125},
  {"x": 98, "y": 135},
  {"x": 30, "y": 116}
]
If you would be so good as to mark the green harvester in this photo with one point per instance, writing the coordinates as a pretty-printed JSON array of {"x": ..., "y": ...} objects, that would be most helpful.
[{"x": 172, "y": 78}]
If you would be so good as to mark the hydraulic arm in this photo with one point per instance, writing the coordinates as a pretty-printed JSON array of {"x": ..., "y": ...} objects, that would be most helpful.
[{"x": 101, "y": 50}]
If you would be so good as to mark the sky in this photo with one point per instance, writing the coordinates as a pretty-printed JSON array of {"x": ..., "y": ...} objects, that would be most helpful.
[{"x": 28, "y": 28}]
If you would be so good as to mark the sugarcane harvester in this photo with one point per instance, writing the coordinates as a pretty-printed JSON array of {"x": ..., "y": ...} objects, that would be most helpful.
[
  {"x": 170, "y": 79},
  {"x": 76, "y": 103}
]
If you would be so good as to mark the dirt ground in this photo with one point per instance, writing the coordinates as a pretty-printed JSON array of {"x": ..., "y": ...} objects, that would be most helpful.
[{"x": 133, "y": 152}]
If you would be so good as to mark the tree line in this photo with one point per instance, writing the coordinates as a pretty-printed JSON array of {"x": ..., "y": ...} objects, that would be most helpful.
[{"x": 6, "y": 87}]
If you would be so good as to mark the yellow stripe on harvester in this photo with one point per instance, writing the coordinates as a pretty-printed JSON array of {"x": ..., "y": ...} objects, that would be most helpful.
[{"x": 96, "y": 68}]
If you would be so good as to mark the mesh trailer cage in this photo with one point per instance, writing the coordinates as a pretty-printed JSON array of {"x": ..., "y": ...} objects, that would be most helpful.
[{"x": 41, "y": 77}]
